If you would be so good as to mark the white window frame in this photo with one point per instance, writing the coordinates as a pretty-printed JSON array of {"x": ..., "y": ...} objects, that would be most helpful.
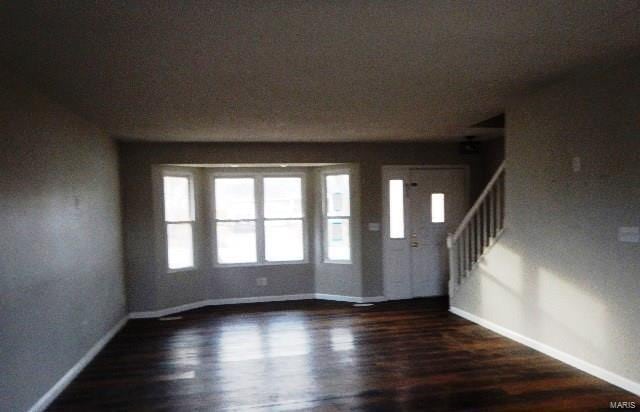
[
  {"x": 192, "y": 205},
  {"x": 258, "y": 194},
  {"x": 325, "y": 218}
]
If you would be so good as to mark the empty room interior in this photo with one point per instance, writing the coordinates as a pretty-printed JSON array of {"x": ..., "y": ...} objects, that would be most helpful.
[{"x": 318, "y": 205}]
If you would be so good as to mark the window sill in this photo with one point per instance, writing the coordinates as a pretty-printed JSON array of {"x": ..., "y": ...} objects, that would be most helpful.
[
  {"x": 254, "y": 265},
  {"x": 338, "y": 262},
  {"x": 182, "y": 270}
]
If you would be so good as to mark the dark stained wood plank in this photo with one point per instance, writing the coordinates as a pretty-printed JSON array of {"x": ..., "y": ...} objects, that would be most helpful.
[{"x": 327, "y": 356}]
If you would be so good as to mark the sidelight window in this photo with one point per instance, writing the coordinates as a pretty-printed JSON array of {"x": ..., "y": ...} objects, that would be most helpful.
[{"x": 396, "y": 208}]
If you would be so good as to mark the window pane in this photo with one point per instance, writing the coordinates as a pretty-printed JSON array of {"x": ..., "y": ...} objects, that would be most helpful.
[
  {"x": 437, "y": 207},
  {"x": 282, "y": 197},
  {"x": 396, "y": 209},
  {"x": 234, "y": 198},
  {"x": 338, "y": 239},
  {"x": 283, "y": 240},
  {"x": 338, "y": 202},
  {"x": 236, "y": 242},
  {"x": 179, "y": 245},
  {"x": 177, "y": 198}
]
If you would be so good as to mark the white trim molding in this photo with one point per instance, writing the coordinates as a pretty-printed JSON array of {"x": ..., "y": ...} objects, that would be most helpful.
[
  {"x": 66, "y": 379},
  {"x": 254, "y": 299},
  {"x": 597, "y": 371},
  {"x": 218, "y": 302},
  {"x": 353, "y": 299}
]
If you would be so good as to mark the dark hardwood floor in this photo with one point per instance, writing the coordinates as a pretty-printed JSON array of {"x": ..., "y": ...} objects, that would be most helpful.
[{"x": 327, "y": 356}]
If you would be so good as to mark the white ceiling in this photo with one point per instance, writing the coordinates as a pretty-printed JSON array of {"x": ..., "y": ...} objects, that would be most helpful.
[{"x": 304, "y": 70}]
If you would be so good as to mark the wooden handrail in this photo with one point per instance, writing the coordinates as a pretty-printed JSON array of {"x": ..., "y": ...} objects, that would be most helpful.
[{"x": 476, "y": 205}]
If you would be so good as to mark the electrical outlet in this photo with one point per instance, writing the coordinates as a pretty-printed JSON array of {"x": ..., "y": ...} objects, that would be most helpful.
[
  {"x": 261, "y": 281},
  {"x": 576, "y": 164}
]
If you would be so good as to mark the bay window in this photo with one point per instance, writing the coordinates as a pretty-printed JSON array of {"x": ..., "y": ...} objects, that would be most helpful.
[{"x": 259, "y": 219}]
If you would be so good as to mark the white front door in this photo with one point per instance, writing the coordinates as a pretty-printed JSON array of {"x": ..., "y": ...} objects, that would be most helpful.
[
  {"x": 415, "y": 252},
  {"x": 436, "y": 206}
]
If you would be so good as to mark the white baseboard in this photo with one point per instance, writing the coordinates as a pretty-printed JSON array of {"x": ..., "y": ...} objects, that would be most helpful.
[
  {"x": 597, "y": 371},
  {"x": 255, "y": 299},
  {"x": 66, "y": 379},
  {"x": 217, "y": 302},
  {"x": 168, "y": 311},
  {"x": 353, "y": 299}
]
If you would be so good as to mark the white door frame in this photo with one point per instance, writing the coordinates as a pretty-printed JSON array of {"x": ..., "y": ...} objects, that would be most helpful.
[{"x": 404, "y": 172}]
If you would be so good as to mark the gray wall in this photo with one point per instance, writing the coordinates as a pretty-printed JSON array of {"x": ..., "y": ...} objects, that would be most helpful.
[
  {"x": 61, "y": 276},
  {"x": 559, "y": 275},
  {"x": 493, "y": 153},
  {"x": 136, "y": 164}
]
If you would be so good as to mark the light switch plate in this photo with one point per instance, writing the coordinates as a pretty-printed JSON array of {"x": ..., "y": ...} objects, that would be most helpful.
[
  {"x": 629, "y": 234},
  {"x": 374, "y": 227}
]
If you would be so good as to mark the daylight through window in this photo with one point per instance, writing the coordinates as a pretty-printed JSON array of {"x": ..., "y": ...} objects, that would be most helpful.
[
  {"x": 179, "y": 218},
  {"x": 337, "y": 216}
]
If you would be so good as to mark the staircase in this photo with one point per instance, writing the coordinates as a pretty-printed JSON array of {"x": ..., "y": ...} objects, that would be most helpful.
[{"x": 479, "y": 229}]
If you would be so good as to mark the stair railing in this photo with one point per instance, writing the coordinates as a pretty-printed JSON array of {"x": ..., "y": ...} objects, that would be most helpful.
[{"x": 479, "y": 229}]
